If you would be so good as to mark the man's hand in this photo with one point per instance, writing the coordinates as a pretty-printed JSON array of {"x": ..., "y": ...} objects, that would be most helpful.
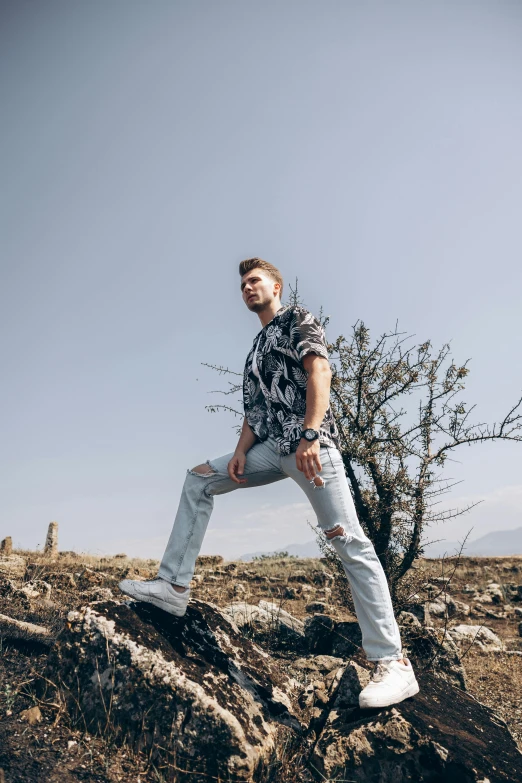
[
  {"x": 236, "y": 466},
  {"x": 307, "y": 458}
]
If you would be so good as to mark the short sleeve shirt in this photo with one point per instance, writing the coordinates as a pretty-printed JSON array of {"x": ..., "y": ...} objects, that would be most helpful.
[{"x": 274, "y": 379}]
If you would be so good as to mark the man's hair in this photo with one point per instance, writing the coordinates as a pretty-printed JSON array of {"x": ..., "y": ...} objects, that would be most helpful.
[{"x": 257, "y": 263}]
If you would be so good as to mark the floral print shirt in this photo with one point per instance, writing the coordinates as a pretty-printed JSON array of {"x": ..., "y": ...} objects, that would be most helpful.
[{"x": 274, "y": 379}]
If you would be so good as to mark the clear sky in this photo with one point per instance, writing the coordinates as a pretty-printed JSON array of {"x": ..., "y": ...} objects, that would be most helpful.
[{"x": 370, "y": 149}]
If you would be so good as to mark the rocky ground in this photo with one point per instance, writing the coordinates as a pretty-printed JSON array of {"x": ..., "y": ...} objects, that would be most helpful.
[{"x": 259, "y": 681}]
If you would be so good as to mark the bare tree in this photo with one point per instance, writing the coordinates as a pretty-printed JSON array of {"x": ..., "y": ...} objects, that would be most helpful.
[{"x": 400, "y": 417}]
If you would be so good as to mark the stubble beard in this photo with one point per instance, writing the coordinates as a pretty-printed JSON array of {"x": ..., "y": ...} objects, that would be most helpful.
[{"x": 258, "y": 305}]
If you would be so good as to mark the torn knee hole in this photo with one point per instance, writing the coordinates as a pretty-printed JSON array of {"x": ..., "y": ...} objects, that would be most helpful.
[
  {"x": 317, "y": 482},
  {"x": 336, "y": 531},
  {"x": 203, "y": 470}
]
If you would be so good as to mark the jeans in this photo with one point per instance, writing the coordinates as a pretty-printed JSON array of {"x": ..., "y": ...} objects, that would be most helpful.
[{"x": 333, "y": 504}]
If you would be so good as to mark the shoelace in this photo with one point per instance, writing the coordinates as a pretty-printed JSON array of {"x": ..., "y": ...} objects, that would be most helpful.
[{"x": 381, "y": 668}]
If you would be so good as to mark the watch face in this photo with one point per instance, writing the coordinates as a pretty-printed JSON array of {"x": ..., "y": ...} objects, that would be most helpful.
[{"x": 309, "y": 434}]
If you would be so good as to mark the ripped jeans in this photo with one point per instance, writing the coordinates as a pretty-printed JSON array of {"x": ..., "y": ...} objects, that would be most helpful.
[{"x": 334, "y": 507}]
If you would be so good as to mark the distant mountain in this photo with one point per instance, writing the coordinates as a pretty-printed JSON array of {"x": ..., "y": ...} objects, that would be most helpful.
[
  {"x": 495, "y": 544},
  {"x": 309, "y": 549}
]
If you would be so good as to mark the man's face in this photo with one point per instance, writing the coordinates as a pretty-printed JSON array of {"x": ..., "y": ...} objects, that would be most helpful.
[{"x": 258, "y": 289}]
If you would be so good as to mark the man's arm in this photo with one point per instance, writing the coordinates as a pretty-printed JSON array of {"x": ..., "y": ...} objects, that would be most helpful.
[
  {"x": 237, "y": 463},
  {"x": 317, "y": 403}
]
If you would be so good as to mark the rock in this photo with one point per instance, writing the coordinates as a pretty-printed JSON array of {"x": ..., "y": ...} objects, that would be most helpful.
[
  {"x": 299, "y": 576},
  {"x": 322, "y": 577},
  {"x": 480, "y": 636},
  {"x": 61, "y": 579},
  {"x": 120, "y": 556},
  {"x": 239, "y": 589},
  {"x": 461, "y": 609},
  {"x": 441, "y": 734},
  {"x": 484, "y": 598},
  {"x": 437, "y": 609},
  {"x": 289, "y": 626},
  {"x": 32, "y": 715},
  {"x": 99, "y": 594},
  {"x": 12, "y": 565},
  {"x": 35, "y": 589},
  {"x": 6, "y": 546},
  {"x": 346, "y": 639},
  {"x": 190, "y": 685},
  {"x": 318, "y": 633},
  {"x": 209, "y": 560},
  {"x": 320, "y": 664},
  {"x": 520, "y": 629},
  {"x": 434, "y": 651},
  {"x": 495, "y": 591},
  {"x": 291, "y": 592},
  {"x": 517, "y": 611},
  {"x": 10, "y": 628},
  {"x": 408, "y": 618},
  {"x": 315, "y": 607},
  {"x": 230, "y": 568},
  {"x": 268, "y": 622},
  {"x": 51, "y": 541}
]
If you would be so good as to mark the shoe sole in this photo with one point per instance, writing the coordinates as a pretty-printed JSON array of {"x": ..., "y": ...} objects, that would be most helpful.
[
  {"x": 169, "y": 608},
  {"x": 410, "y": 690}
]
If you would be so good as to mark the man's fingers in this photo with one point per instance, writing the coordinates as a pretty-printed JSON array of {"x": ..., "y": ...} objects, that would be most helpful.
[{"x": 317, "y": 462}]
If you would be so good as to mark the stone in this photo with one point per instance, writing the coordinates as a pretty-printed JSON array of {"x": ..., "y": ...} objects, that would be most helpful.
[
  {"x": 6, "y": 547},
  {"x": 12, "y": 566},
  {"x": 315, "y": 607},
  {"x": 239, "y": 589},
  {"x": 120, "y": 556},
  {"x": 209, "y": 560},
  {"x": 34, "y": 589},
  {"x": 441, "y": 734},
  {"x": 346, "y": 639},
  {"x": 318, "y": 633},
  {"x": 268, "y": 623},
  {"x": 461, "y": 609},
  {"x": 299, "y": 576},
  {"x": 320, "y": 664},
  {"x": 51, "y": 541},
  {"x": 191, "y": 686},
  {"x": 520, "y": 629},
  {"x": 478, "y": 635},
  {"x": 10, "y": 628},
  {"x": 31, "y": 716},
  {"x": 433, "y": 650},
  {"x": 322, "y": 577},
  {"x": 291, "y": 592},
  {"x": 408, "y": 618}
]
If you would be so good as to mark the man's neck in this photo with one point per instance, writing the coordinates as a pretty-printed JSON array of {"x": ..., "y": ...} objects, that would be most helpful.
[{"x": 266, "y": 315}]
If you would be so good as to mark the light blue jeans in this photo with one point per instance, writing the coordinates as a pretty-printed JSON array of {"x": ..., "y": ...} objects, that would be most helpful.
[{"x": 333, "y": 505}]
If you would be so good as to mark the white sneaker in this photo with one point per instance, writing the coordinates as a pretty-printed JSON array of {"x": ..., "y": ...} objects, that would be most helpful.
[
  {"x": 158, "y": 592},
  {"x": 391, "y": 682}
]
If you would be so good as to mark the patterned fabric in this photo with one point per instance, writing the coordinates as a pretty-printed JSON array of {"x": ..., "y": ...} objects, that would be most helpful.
[{"x": 274, "y": 397}]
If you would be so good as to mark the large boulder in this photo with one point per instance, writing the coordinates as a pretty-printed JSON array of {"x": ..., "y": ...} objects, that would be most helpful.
[
  {"x": 189, "y": 689},
  {"x": 442, "y": 735}
]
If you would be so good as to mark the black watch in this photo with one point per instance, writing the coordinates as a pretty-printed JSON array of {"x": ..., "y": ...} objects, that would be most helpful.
[{"x": 310, "y": 434}]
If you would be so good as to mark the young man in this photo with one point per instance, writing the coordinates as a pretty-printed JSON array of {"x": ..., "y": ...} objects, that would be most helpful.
[{"x": 288, "y": 431}]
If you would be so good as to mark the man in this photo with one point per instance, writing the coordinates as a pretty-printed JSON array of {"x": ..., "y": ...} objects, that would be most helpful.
[{"x": 288, "y": 431}]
